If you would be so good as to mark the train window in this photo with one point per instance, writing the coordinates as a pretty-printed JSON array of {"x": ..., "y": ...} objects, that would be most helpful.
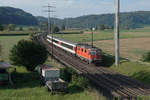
[
  {"x": 55, "y": 41},
  {"x": 82, "y": 50},
  {"x": 67, "y": 46},
  {"x": 99, "y": 52},
  {"x": 85, "y": 51},
  {"x": 78, "y": 48},
  {"x": 92, "y": 53}
]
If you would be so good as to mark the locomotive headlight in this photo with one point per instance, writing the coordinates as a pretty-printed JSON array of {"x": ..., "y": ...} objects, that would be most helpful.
[{"x": 93, "y": 29}]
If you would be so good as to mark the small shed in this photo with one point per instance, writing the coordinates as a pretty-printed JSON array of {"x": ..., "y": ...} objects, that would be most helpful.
[
  {"x": 49, "y": 72},
  {"x": 5, "y": 75}
]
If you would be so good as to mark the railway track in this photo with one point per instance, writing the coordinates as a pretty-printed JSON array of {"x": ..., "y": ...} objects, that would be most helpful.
[{"x": 111, "y": 83}]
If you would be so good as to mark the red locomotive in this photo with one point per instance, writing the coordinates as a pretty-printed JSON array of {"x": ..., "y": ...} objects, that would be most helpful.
[{"x": 84, "y": 51}]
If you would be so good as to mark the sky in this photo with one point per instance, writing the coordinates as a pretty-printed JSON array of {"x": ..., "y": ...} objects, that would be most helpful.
[{"x": 75, "y": 8}]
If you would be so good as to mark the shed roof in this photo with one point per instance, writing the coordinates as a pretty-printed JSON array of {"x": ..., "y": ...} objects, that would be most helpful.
[
  {"x": 48, "y": 67},
  {"x": 5, "y": 65}
]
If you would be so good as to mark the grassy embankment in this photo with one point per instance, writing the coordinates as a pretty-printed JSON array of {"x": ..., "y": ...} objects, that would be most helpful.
[{"x": 27, "y": 85}]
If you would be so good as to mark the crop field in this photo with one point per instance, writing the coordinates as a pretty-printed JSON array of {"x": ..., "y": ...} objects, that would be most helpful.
[{"x": 132, "y": 48}]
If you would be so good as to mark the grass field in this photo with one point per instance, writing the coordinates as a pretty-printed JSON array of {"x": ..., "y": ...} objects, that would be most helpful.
[
  {"x": 133, "y": 42},
  {"x": 134, "y": 70},
  {"x": 27, "y": 85},
  {"x": 8, "y": 42},
  {"x": 16, "y": 32},
  {"x": 132, "y": 48},
  {"x": 106, "y": 35}
]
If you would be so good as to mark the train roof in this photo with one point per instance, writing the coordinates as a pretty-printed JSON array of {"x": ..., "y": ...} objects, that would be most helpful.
[
  {"x": 66, "y": 41},
  {"x": 87, "y": 46}
]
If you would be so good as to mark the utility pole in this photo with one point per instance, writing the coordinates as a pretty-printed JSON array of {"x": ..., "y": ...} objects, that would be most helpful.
[
  {"x": 66, "y": 26},
  {"x": 93, "y": 29},
  {"x": 49, "y": 24},
  {"x": 117, "y": 34}
]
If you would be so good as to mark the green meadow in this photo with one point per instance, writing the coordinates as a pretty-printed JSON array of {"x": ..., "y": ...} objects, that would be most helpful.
[{"x": 27, "y": 85}]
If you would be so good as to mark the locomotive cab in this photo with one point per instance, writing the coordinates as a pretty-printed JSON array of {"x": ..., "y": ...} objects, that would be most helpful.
[
  {"x": 89, "y": 53},
  {"x": 95, "y": 55}
]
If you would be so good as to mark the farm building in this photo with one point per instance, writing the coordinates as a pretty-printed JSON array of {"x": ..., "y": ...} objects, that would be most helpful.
[{"x": 5, "y": 76}]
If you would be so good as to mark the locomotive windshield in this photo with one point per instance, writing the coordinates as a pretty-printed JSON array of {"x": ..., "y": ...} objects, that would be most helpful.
[
  {"x": 99, "y": 52},
  {"x": 92, "y": 53}
]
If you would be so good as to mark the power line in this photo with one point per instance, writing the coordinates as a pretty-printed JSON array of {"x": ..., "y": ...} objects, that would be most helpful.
[
  {"x": 117, "y": 34},
  {"x": 49, "y": 11},
  {"x": 49, "y": 24}
]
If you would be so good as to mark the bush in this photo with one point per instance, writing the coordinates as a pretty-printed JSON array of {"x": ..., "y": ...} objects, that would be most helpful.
[
  {"x": 11, "y": 27},
  {"x": 28, "y": 54},
  {"x": 1, "y": 27},
  {"x": 75, "y": 80},
  {"x": 20, "y": 28},
  {"x": 0, "y": 52},
  {"x": 146, "y": 57},
  {"x": 80, "y": 81},
  {"x": 81, "y": 32},
  {"x": 56, "y": 29},
  {"x": 102, "y": 27},
  {"x": 66, "y": 74}
]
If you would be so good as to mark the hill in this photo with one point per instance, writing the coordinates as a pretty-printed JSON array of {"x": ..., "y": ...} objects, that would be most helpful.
[
  {"x": 10, "y": 15},
  {"x": 127, "y": 20}
]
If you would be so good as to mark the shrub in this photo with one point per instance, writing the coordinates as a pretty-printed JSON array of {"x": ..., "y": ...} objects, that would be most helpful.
[
  {"x": 56, "y": 29},
  {"x": 20, "y": 28},
  {"x": 0, "y": 52},
  {"x": 11, "y": 27},
  {"x": 28, "y": 54},
  {"x": 76, "y": 82},
  {"x": 146, "y": 57},
  {"x": 80, "y": 81},
  {"x": 66, "y": 74},
  {"x": 81, "y": 32},
  {"x": 1, "y": 27}
]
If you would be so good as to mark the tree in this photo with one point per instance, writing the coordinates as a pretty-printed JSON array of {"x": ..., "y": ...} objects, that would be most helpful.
[
  {"x": 20, "y": 28},
  {"x": 1, "y": 27},
  {"x": 0, "y": 52},
  {"x": 28, "y": 54},
  {"x": 63, "y": 27},
  {"x": 55, "y": 29},
  {"x": 30, "y": 29},
  {"x": 101, "y": 27},
  {"x": 11, "y": 27}
]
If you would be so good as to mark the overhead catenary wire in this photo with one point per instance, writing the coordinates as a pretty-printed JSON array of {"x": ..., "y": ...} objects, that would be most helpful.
[{"x": 49, "y": 21}]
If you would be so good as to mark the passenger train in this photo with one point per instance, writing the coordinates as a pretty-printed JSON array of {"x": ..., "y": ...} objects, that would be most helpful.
[{"x": 83, "y": 51}]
